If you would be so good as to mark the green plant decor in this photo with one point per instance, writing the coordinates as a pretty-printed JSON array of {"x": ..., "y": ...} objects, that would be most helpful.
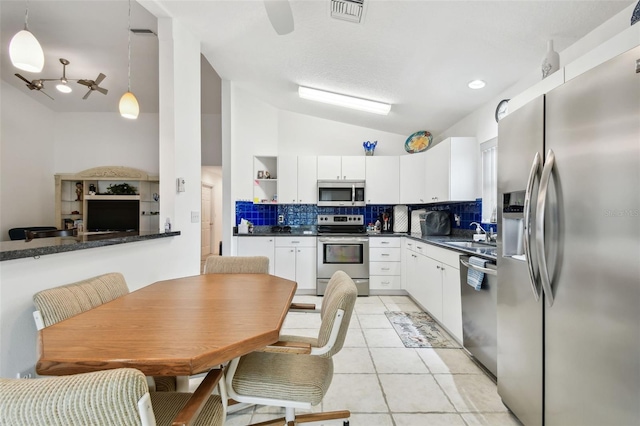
[{"x": 121, "y": 189}]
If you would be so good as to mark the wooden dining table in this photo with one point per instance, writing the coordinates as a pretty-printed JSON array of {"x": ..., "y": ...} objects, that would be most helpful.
[{"x": 177, "y": 327}]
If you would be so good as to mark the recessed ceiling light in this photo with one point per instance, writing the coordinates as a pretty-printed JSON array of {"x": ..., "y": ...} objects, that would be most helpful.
[
  {"x": 476, "y": 84},
  {"x": 344, "y": 100}
]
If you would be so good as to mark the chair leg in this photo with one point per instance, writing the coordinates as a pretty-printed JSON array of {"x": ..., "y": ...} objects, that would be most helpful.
[{"x": 331, "y": 415}]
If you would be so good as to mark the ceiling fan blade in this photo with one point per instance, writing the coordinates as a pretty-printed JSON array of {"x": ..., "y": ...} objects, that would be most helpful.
[
  {"x": 280, "y": 15},
  {"x": 87, "y": 95},
  {"x": 46, "y": 94},
  {"x": 102, "y": 90},
  {"x": 23, "y": 79},
  {"x": 100, "y": 78},
  {"x": 85, "y": 82}
]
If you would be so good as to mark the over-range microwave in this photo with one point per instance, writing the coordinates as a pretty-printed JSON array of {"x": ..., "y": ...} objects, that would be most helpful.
[{"x": 341, "y": 193}]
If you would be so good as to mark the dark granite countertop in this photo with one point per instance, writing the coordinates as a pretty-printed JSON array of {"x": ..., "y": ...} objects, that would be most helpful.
[
  {"x": 487, "y": 251},
  {"x": 20, "y": 249}
]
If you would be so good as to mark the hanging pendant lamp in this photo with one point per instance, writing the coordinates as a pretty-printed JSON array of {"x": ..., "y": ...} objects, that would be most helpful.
[
  {"x": 128, "y": 105},
  {"x": 24, "y": 50}
]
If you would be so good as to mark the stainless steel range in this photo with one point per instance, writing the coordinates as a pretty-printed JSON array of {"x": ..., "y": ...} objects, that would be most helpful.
[{"x": 343, "y": 245}]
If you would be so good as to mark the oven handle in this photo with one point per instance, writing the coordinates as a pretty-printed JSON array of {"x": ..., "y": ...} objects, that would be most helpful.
[{"x": 342, "y": 240}]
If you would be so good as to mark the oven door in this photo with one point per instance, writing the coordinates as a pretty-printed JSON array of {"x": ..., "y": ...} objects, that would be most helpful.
[{"x": 348, "y": 254}]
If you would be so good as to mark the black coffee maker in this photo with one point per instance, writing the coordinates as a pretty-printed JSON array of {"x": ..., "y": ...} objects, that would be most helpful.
[{"x": 386, "y": 221}]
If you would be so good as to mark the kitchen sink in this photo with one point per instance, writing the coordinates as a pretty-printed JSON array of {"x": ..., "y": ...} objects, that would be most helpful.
[{"x": 471, "y": 244}]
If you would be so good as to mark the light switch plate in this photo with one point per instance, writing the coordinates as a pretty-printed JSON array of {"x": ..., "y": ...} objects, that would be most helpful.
[{"x": 195, "y": 217}]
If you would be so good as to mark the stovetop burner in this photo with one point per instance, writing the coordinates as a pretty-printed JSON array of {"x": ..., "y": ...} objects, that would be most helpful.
[{"x": 281, "y": 229}]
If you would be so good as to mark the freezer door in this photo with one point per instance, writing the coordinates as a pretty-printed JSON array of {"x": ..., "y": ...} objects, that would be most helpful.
[
  {"x": 519, "y": 316},
  {"x": 592, "y": 243}
]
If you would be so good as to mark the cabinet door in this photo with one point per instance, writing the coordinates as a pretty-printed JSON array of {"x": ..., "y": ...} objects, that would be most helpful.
[
  {"x": 383, "y": 180},
  {"x": 329, "y": 167},
  {"x": 411, "y": 274},
  {"x": 413, "y": 178},
  {"x": 463, "y": 171},
  {"x": 288, "y": 179},
  {"x": 306, "y": 267},
  {"x": 353, "y": 168},
  {"x": 258, "y": 246},
  {"x": 432, "y": 273},
  {"x": 451, "y": 301},
  {"x": 285, "y": 266},
  {"x": 307, "y": 179},
  {"x": 437, "y": 172}
]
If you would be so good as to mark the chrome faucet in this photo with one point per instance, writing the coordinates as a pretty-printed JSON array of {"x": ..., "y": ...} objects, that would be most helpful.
[{"x": 478, "y": 227}]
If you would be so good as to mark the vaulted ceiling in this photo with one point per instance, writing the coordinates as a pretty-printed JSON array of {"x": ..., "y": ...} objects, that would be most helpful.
[{"x": 417, "y": 55}]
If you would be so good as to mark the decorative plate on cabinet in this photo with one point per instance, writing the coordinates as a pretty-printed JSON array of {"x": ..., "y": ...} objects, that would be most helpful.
[{"x": 418, "y": 142}]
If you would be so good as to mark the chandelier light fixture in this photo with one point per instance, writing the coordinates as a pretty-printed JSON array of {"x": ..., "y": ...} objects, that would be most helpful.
[
  {"x": 128, "y": 105},
  {"x": 25, "y": 50},
  {"x": 344, "y": 100}
]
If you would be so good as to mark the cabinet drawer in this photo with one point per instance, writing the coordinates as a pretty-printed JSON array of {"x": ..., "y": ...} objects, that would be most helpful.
[
  {"x": 391, "y": 254},
  {"x": 384, "y": 283},
  {"x": 384, "y": 242},
  {"x": 449, "y": 257},
  {"x": 295, "y": 241},
  {"x": 384, "y": 268}
]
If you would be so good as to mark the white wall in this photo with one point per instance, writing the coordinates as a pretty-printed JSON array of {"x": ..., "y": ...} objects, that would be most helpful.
[
  {"x": 86, "y": 140},
  {"x": 300, "y": 134},
  {"x": 26, "y": 149}
]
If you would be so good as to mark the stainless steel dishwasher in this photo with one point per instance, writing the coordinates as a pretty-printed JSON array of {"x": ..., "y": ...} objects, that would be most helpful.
[{"x": 479, "y": 322}]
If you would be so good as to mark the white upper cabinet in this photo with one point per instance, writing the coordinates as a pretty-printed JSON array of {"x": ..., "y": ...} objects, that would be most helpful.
[
  {"x": 336, "y": 167},
  {"x": 446, "y": 172},
  {"x": 412, "y": 179},
  {"x": 297, "y": 181},
  {"x": 383, "y": 180}
]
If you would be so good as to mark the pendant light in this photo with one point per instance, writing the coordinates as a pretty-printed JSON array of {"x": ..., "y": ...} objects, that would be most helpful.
[
  {"x": 24, "y": 50},
  {"x": 128, "y": 106}
]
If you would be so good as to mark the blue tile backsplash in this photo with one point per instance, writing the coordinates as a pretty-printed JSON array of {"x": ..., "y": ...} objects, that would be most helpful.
[{"x": 306, "y": 214}]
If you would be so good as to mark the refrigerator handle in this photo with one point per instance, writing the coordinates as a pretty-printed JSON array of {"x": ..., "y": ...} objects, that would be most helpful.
[
  {"x": 535, "y": 170},
  {"x": 542, "y": 200}
]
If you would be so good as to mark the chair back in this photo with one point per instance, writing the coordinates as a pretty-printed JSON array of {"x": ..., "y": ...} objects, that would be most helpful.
[
  {"x": 20, "y": 233},
  {"x": 59, "y": 303},
  {"x": 236, "y": 265},
  {"x": 341, "y": 293},
  {"x": 105, "y": 397}
]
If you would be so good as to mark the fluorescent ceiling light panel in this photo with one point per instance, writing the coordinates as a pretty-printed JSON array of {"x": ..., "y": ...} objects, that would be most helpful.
[{"x": 344, "y": 100}]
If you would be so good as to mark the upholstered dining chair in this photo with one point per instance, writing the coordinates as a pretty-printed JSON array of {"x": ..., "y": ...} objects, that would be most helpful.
[
  {"x": 245, "y": 265},
  {"x": 236, "y": 265},
  {"x": 111, "y": 397},
  {"x": 59, "y": 303},
  {"x": 296, "y": 371}
]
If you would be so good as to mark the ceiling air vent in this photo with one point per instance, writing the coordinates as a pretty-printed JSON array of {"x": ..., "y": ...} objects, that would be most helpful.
[{"x": 347, "y": 10}]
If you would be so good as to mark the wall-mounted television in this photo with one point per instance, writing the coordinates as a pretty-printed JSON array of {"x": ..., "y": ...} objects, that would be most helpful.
[{"x": 113, "y": 215}]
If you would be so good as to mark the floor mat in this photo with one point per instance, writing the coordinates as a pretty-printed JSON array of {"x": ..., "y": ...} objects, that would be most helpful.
[{"x": 419, "y": 330}]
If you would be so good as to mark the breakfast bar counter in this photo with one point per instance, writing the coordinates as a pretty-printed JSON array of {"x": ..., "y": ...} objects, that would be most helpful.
[{"x": 20, "y": 249}]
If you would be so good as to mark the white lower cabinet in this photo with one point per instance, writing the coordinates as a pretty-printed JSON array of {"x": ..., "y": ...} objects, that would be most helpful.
[
  {"x": 295, "y": 259},
  {"x": 258, "y": 246},
  {"x": 432, "y": 278},
  {"x": 385, "y": 263}
]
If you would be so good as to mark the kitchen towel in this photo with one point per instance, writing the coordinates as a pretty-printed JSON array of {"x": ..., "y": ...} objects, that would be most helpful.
[
  {"x": 474, "y": 277},
  {"x": 400, "y": 218}
]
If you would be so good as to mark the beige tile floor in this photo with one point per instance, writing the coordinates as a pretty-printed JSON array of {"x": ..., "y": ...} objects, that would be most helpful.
[{"x": 383, "y": 383}]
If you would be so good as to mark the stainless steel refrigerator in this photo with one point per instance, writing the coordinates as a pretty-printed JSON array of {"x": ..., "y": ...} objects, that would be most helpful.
[{"x": 569, "y": 251}]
